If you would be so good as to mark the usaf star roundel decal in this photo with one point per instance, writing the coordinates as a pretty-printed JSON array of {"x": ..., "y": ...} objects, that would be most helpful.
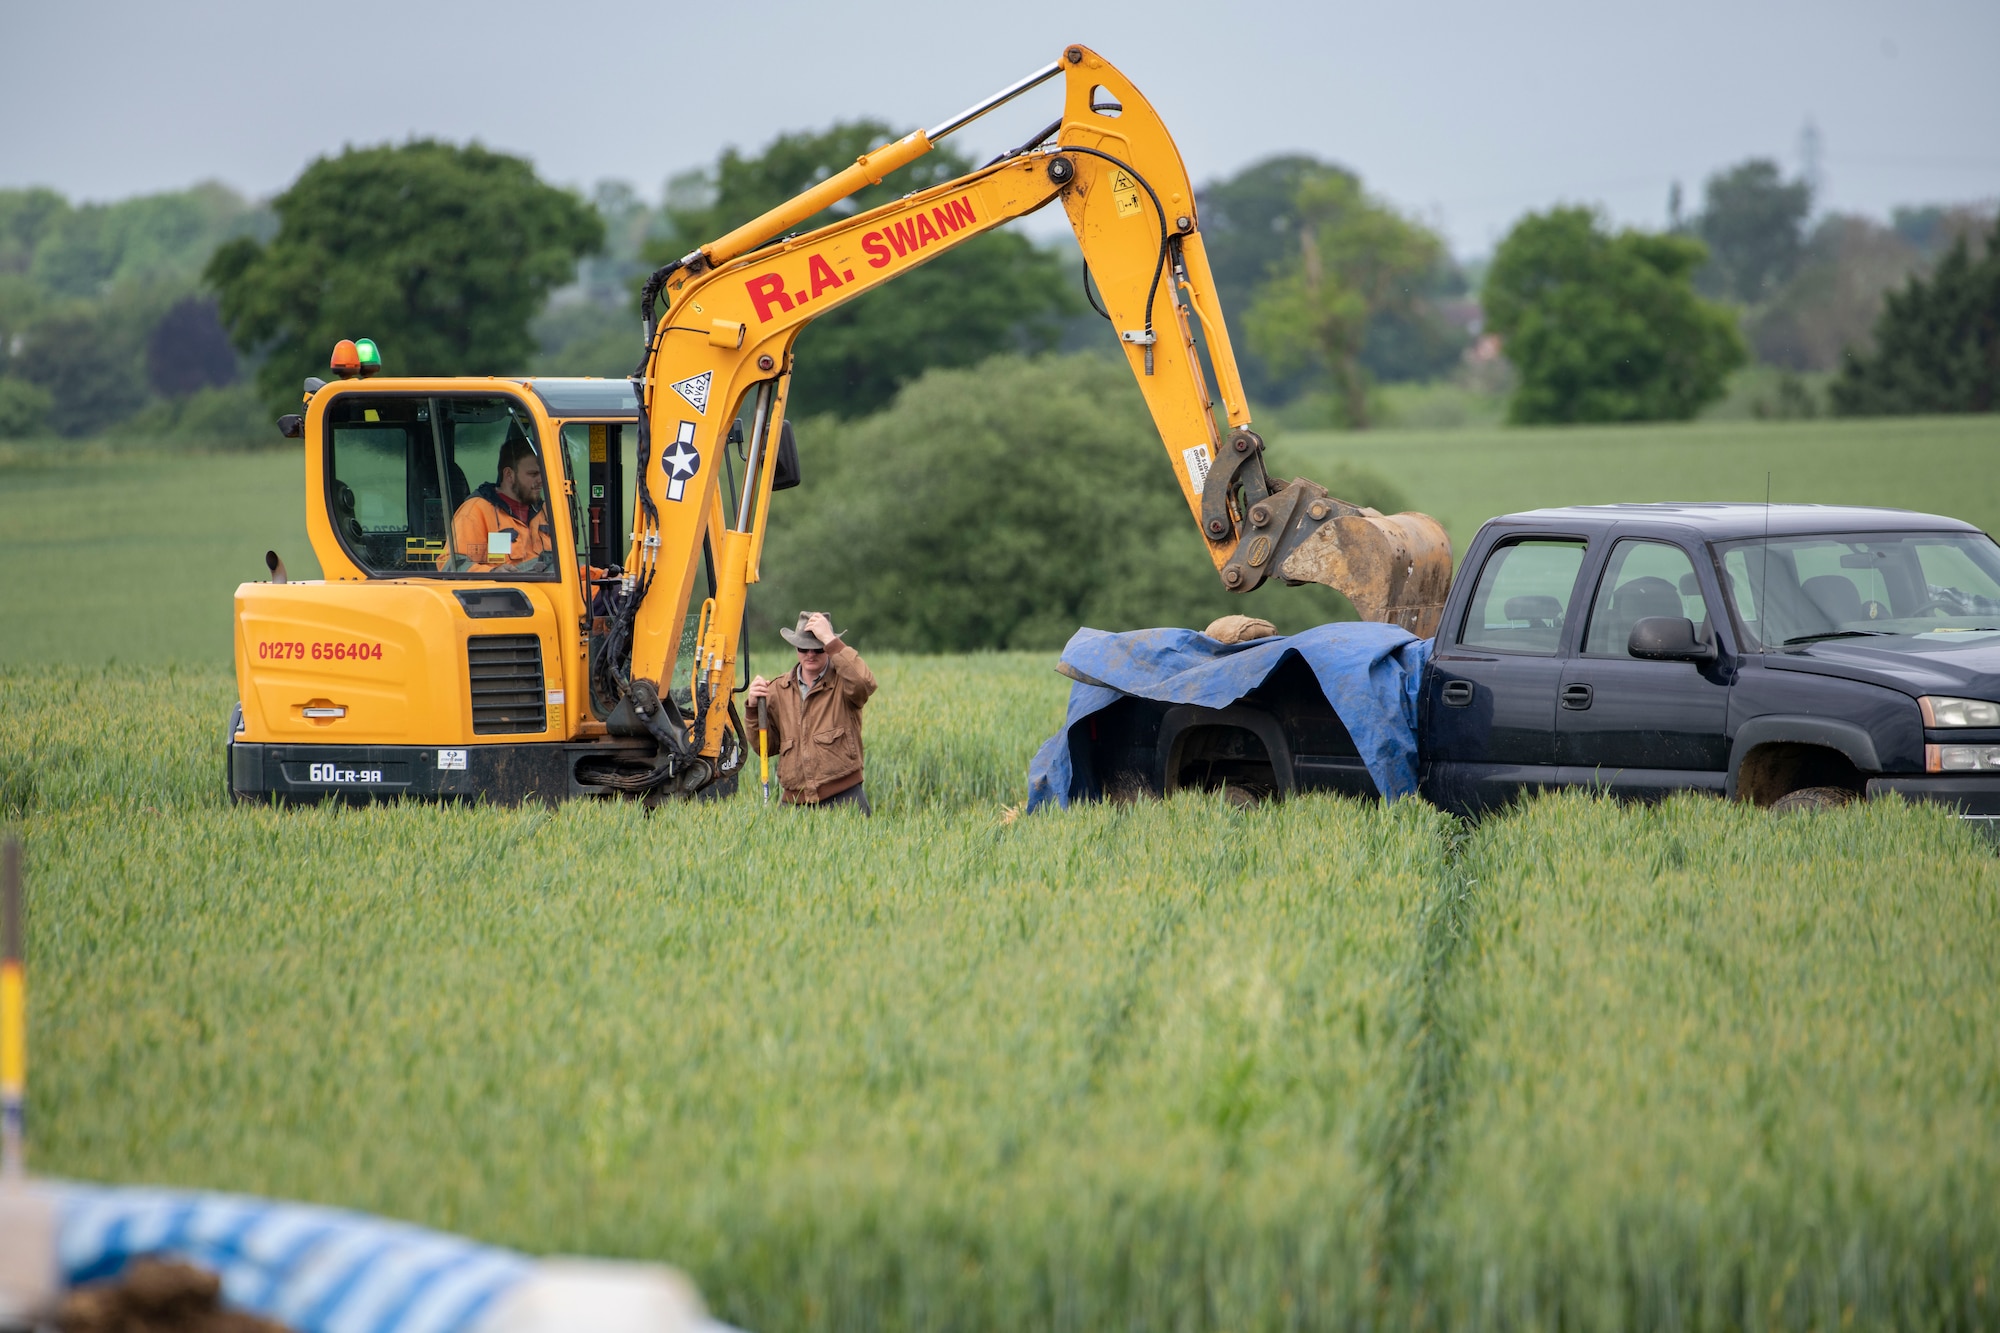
[{"x": 680, "y": 462}]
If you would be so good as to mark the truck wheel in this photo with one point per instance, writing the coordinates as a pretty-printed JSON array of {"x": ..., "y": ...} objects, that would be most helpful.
[
  {"x": 1244, "y": 795},
  {"x": 1812, "y": 798}
]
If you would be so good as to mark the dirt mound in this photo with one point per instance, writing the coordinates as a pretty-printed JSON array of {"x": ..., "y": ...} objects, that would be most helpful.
[{"x": 1239, "y": 629}]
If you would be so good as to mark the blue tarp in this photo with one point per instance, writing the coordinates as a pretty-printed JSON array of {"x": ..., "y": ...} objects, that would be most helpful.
[{"x": 1370, "y": 673}]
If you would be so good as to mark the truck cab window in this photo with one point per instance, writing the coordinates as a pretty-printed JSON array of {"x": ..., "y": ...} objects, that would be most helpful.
[
  {"x": 1522, "y": 597},
  {"x": 439, "y": 485},
  {"x": 1954, "y": 578},
  {"x": 1642, "y": 579}
]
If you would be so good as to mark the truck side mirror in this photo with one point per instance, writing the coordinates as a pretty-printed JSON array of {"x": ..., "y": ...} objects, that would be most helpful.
[{"x": 1668, "y": 639}]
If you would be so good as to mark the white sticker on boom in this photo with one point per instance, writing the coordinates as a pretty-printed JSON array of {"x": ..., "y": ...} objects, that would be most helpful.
[
  {"x": 499, "y": 545},
  {"x": 555, "y": 697},
  {"x": 1197, "y": 461},
  {"x": 451, "y": 760},
  {"x": 1124, "y": 193},
  {"x": 695, "y": 388}
]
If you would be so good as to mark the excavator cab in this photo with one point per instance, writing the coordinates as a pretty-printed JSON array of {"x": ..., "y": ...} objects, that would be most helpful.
[{"x": 402, "y": 468}]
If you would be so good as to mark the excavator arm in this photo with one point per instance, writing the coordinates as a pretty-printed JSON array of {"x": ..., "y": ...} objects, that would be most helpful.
[{"x": 722, "y": 346}]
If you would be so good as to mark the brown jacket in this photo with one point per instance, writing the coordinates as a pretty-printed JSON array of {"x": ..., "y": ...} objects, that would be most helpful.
[{"x": 818, "y": 739}]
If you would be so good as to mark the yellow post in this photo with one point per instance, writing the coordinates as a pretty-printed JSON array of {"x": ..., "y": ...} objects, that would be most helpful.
[
  {"x": 764, "y": 746},
  {"x": 30, "y": 1277},
  {"x": 13, "y": 1017}
]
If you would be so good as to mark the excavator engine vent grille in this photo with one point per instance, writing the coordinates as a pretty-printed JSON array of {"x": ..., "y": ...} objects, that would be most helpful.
[{"x": 506, "y": 677}]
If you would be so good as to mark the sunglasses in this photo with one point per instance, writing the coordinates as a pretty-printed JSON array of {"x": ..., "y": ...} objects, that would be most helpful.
[{"x": 812, "y": 651}]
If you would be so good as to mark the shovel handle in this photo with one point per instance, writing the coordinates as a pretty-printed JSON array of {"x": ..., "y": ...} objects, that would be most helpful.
[{"x": 764, "y": 743}]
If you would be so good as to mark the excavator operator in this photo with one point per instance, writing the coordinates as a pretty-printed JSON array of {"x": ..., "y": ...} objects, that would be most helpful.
[{"x": 503, "y": 527}]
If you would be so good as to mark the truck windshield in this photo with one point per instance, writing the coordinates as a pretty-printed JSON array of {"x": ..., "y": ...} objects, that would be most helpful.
[{"x": 1790, "y": 590}]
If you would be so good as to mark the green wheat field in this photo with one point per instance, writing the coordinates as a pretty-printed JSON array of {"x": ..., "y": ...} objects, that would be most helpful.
[{"x": 1155, "y": 1066}]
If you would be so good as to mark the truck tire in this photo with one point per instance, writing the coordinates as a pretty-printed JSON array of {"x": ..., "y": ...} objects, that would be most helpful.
[
  {"x": 1245, "y": 795},
  {"x": 1813, "y": 798}
]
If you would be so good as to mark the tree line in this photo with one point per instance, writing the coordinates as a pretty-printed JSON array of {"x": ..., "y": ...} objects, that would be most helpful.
[
  {"x": 104, "y": 315},
  {"x": 197, "y": 311}
]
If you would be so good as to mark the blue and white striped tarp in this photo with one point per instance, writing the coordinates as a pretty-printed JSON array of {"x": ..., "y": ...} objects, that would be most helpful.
[{"x": 317, "y": 1270}]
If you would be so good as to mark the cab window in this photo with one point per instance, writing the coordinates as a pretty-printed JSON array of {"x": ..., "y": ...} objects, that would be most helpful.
[
  {"x": 596, "y": 489},
  {"x": 1522, "y": 598},
  {"x": 450, "y": 485},
  {"x": 1642, "y": 579}
]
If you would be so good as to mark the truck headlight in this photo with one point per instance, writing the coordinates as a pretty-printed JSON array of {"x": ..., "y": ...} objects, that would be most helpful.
[
  {"x": 1942, "y": 712},
  {"x": 1962, "y": 758}
]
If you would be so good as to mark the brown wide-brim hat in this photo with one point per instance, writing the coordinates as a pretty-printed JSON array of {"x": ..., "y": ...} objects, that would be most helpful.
[{"x": 799, "y": 638}]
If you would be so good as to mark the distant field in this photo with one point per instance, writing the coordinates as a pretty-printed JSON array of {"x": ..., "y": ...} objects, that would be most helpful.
[
  {"x": 1944, "y": 465},
  {"x": 135, "y": 557}
]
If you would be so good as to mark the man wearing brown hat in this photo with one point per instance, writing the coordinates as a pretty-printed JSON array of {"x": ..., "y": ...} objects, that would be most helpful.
[{"x": 814, "y": 713}]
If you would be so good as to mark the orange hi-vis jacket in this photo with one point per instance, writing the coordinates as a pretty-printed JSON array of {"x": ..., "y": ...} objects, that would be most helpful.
[{"x": 490, "y": 531}]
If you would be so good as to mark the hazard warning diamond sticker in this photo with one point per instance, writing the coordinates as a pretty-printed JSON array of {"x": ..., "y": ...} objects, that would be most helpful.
[{"x": 695, "y": 389}]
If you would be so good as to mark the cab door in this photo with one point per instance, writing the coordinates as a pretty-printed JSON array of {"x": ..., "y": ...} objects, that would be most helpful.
[
  {"x": 1639, "y": 728},
  {"x": 594, "y": 482},
  {"x": 1491, "y": 691}
]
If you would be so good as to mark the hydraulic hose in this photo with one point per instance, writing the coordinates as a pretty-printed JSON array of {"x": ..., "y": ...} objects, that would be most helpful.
[
  {"x": 1090, "y": 294},
  {"x": 1040, "y": 138},
  {"x": 1159, "y": 262}
]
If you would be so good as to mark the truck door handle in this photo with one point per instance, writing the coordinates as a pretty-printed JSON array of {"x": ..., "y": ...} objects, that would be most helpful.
[
  {"x": 1576, "y": 697},
  {"x": 1457, "y": 693}
]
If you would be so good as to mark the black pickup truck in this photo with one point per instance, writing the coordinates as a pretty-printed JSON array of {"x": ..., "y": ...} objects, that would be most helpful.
[{"x": 1785, "y": 655}]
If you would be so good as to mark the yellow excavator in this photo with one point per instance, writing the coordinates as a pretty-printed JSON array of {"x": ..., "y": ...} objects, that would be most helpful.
[{"x": 486, "y": 628}]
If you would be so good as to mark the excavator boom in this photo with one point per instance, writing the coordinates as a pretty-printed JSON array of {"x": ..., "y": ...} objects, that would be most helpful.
[{"x": 722, "y": 348}]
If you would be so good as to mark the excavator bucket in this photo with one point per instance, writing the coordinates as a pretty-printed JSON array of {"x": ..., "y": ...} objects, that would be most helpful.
[{"x": 1395, "y": 568}]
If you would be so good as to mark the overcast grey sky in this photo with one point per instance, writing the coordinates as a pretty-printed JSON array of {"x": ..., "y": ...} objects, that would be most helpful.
[{"x": 1465, "y": 112}]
